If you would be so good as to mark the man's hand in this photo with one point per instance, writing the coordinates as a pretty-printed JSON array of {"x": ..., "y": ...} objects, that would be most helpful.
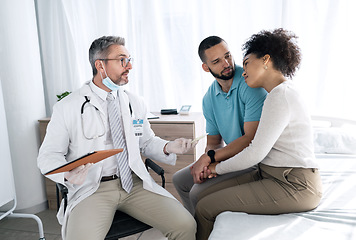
[
  {"x": 197, "y": 169},
  {"x": 78, "y": 174},
  {"x": 179, "y": 146}
]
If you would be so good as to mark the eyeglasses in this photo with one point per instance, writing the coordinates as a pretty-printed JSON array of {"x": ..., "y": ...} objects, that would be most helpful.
[{"x": 124, "y": 61}]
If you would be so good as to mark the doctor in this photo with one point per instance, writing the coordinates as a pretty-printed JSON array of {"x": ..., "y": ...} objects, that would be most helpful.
[{"x": 80, "y": 124}]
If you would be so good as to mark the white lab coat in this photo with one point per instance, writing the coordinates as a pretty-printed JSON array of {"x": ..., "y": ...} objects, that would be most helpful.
[{"x": 64, "y": 141}]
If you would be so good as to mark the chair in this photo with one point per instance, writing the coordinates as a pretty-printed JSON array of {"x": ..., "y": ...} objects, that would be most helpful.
[{"x": 123, "y": 225}]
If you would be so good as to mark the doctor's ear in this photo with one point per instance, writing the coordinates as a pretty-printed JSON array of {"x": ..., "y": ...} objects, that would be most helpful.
[{"x": 99, "y": 65}]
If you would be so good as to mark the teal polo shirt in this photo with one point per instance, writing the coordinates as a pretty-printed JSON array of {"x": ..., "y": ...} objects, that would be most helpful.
[{"x": 225, "y": 113}]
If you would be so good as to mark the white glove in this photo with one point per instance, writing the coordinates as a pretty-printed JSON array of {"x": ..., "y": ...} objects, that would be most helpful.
[
  {"x": 78, "y": 174},
  {"x": 180, "y": 146}
]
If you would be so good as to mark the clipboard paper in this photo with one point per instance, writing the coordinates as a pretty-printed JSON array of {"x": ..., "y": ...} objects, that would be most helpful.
[{"x": 92, "y": 157}]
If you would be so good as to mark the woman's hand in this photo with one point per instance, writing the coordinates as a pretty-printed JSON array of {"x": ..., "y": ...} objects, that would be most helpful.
[{"x": 212, "y": 170}]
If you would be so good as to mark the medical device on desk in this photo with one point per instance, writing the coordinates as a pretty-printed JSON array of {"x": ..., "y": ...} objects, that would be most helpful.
[{"x": 184, "y": 110}]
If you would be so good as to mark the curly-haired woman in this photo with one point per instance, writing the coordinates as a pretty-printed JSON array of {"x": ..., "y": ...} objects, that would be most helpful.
[{"x": 287, "y": 179}]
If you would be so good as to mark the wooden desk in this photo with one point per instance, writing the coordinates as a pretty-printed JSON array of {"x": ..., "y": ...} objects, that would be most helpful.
[{"x": 168, "y": 127}]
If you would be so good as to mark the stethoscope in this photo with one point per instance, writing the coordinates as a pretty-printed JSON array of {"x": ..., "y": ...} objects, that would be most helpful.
[{"x": 87, "y": 100}]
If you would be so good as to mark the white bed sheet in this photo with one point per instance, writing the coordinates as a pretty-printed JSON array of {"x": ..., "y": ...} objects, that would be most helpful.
[{"x": 334, "y": 218}]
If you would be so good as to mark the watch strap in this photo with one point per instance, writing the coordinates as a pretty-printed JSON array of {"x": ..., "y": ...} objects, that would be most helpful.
[{"x": 211, "y": 154}]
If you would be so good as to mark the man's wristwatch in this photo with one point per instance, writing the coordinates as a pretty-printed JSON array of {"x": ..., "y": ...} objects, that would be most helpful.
[{"x": 211, "y": 154}]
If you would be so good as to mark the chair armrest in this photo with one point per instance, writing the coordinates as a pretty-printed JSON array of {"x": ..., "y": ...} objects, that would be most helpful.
[
  {"x": 157, "y": 169},
  {"x": 64, "y": 191}
]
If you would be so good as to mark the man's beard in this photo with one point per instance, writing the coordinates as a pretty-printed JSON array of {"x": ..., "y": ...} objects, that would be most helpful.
[
  {"x": 121, "y": 81},
  {"x": 224, "y": 77}
]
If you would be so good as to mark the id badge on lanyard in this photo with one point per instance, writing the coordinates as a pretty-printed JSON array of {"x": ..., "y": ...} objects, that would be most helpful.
[{"x": 138, "y": 127}]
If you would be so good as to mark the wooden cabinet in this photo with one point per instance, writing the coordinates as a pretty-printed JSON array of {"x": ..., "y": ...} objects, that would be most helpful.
[
  {"x": 168, "y": 127},
  {"x": 50, "y": 185},
  {"x": 43, "y": 126}
]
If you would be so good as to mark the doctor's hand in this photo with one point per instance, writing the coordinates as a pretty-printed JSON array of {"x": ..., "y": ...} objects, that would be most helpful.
[
  {"x": 78, "y": 174},
  {"x": 179, "y": 146}
]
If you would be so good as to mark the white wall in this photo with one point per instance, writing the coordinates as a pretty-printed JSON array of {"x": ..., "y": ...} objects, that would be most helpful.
[
  {"x": 21, "y": 80},
  {"x": 7, "y": 188}
]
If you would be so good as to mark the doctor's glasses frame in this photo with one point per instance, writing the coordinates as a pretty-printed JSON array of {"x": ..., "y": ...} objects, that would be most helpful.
[{"x": 124, "y": 61}]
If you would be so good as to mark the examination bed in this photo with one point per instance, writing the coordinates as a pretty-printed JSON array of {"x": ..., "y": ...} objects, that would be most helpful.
[{"x": 334, "y": 218}]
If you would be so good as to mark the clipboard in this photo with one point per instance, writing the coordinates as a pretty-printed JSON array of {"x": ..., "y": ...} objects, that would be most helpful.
[{"x": 92, "y": 157}]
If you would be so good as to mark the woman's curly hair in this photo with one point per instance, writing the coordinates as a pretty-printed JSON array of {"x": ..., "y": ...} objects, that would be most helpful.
[{"x": 280, "y": 44}]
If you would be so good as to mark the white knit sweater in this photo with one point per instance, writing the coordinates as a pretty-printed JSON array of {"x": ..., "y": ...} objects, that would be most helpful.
[{"x": 284, "y": 135}]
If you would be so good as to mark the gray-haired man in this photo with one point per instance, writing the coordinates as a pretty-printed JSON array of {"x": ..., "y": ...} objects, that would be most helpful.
[{"x": 82, "y": 123}]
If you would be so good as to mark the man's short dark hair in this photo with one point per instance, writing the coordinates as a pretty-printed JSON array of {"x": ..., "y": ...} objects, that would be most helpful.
[{"x": 206, "y": 44}]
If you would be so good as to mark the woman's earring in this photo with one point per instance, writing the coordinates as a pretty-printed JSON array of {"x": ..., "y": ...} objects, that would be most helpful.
[{"x": 265, "y": 67}]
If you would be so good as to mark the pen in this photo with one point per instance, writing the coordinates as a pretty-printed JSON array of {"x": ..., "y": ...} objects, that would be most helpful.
[{"x": 198, "y": 138}]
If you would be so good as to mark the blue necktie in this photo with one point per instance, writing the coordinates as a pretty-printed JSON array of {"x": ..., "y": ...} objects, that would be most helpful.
[{"x": 119, "y": 142}]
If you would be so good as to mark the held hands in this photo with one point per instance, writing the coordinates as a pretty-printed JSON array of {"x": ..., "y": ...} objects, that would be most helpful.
[
  {"x": 202, "y": 169},
  {"x": 199, "y": 170},
  {"x": 179, "y": 146},
  {"x": 78, "y": 175}
]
